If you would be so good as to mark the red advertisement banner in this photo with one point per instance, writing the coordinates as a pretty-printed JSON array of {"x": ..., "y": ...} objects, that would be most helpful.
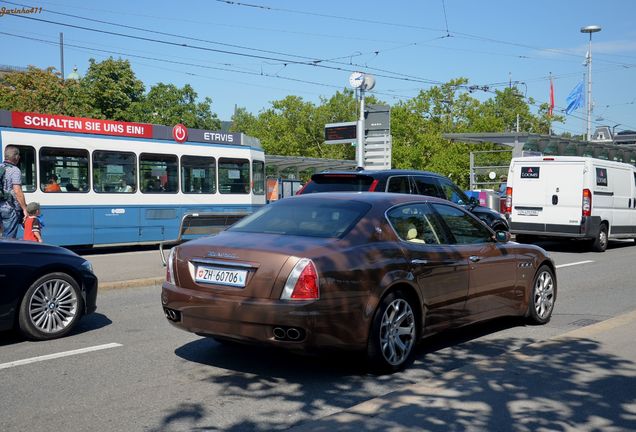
[{"x": 80, "y": 125}]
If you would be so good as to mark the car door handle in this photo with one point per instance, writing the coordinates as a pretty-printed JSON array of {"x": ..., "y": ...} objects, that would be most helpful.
[
  {"x": 474, "y": 258},
  {"x": 419, "y": 261}
]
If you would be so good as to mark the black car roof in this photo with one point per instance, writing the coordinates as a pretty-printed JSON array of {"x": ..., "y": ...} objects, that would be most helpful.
[{"x": 379, "y": 174}]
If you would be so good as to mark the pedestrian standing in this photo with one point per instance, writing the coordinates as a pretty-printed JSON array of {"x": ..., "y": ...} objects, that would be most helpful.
[
  {"x": 32, "y": 225},
  {"x": 12, "y": 204}
]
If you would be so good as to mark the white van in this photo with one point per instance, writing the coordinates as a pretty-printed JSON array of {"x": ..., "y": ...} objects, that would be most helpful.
[{"x": 570, "y": 196}]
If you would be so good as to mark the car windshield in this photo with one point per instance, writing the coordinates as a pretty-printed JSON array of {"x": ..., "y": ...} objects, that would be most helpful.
[
  {"x": 338, "y": 183},
  {"x": 311, "y": 218}
]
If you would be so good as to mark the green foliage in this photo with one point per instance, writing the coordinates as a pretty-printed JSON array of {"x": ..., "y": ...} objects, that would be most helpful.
[
  {"x": 43, "y": 91},
  {"x": 167, "y": 104},
  {"x": 112, "y": 87}
]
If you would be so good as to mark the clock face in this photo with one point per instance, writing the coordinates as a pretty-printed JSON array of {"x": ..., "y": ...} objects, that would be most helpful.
[{"x": 356, "y": 79}]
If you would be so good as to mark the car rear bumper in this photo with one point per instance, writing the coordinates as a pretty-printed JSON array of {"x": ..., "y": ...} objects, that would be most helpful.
[
  {"x": 588, "y": 229},
  {"x": 322, "y": 324}
]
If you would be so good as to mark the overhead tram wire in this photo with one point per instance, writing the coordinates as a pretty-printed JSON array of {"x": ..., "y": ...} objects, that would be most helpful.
[
  {"x": 401, "y": 25},
  {"x": 124, "y": 54},
  {"x": 309, "y": 59},
  {"x": 396, "y": 76}
]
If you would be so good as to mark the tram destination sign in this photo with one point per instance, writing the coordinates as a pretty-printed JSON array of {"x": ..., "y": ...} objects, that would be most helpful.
[
  {"x": 339, "y": 133},
  {"x": 61, "y": 123}
]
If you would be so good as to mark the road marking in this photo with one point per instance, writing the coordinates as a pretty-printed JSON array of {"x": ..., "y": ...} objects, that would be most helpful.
[
  {"x": 573, "y": 264},
  {"x": 58, "y": 355}
]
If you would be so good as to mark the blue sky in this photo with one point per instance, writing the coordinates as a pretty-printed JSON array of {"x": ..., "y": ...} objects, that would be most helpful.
[{"x": 256, "y": 51}]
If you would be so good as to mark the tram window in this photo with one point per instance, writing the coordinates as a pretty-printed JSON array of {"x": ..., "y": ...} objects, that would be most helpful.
[
  {"x": 234, "y": 176},
  {"x": 63, "y": 170},
  {"x": 114, "y": 172},
  {"x": 27, "y": 167},
  {"x": 158, "y": 173},
  {"x": 198, "y": 175},
  {"x": 258, "y": 177}
]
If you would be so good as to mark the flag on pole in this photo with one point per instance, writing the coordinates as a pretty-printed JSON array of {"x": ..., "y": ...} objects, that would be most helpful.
[
  {"x": 575, "y": 98},
  {"x": 551, "y": 109}
]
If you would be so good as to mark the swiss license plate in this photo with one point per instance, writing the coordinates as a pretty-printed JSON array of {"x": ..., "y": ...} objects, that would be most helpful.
[
  {"x": 221, "y": 276},
  {"x": 526, "y": 212}
]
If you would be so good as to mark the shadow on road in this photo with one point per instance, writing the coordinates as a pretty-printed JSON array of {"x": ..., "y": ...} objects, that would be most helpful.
[
  {"x": 87, "y": 324},
  {"x": 554, "y": 385}
]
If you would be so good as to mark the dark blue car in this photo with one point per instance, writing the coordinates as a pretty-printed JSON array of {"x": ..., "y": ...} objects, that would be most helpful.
[{"x": 44, "y": 289}]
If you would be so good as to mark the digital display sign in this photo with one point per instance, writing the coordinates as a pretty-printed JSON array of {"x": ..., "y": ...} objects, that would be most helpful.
[{"x": 336, "y": 133}]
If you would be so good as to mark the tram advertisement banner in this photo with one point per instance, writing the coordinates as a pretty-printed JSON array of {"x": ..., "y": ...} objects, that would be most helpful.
[{"x": 80, "y": 125}]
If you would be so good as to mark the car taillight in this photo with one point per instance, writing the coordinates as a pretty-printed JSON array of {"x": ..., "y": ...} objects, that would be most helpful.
[
  {"x": 373, "y": 185},
  {"x": 586, "y": 208},
  {"x": 508, "y": 200},
  {"x": 170, "y": 267},
  {"x": 302, "y": 283},
  {"x": 300, "y": 191}
]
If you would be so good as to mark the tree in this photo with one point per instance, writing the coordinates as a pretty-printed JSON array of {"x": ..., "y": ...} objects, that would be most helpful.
[
  {"x": 167, "y": 104},
  {"x": 43, "y": 91},
  {"x": 112, "y": 87}
]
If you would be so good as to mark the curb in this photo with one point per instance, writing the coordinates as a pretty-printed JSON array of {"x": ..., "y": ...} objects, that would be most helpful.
[{"x": 133, "y": 283}]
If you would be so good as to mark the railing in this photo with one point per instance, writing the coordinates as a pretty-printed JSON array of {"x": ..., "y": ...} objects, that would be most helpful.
[{"x": 195, "y": 225}]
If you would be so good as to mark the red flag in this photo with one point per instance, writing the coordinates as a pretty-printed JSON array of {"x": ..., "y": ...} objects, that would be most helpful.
[{"x": 551, "y": 109}]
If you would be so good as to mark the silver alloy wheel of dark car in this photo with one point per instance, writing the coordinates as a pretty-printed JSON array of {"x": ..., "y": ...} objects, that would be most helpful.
[
  {"x": 397, "y": 332},
  {"x": 50, "y": 307},
  {"x": 543, "y": 295}
]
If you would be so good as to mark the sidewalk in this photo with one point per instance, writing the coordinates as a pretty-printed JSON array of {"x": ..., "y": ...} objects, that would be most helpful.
[{"x": 584, "y": 380}]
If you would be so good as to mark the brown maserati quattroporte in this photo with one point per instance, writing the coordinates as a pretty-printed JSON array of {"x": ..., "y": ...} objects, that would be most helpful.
[{"x": 372, "y": 272}]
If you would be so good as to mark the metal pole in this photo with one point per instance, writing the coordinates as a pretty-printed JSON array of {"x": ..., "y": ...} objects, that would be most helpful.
[
  {"x": 589, "y": 90},
  {"x": 62, "y": 54},
  {"x": 360, "y": 133},
  {"x": 472, "y": 171}
]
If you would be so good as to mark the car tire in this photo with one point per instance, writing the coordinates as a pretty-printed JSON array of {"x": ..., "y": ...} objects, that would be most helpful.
[
  {"x": 395, "y": 331},
  {"x": 600, "y": 242},
  {"x": 51, "y": 307},
  {"x": 542, "y": 296}
]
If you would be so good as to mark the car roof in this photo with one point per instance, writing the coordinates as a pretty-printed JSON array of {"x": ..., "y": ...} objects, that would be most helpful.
[
  {"x": 378, "y": 173},
  {"x": 373, "y": 198}
]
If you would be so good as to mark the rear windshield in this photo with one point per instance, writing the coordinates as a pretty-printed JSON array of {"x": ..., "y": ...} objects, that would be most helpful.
[
  {"x": 338, "y": 183},
  {"x": 315, "y": 218}
]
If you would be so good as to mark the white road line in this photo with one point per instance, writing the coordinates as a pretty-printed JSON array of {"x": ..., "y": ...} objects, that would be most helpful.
[
  {"x": 574, "y": 263},
  {"x": 58, "y": 355}
]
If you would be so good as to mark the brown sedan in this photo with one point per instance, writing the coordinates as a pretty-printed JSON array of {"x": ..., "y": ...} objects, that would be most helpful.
[{"x": 372, "y": 272}]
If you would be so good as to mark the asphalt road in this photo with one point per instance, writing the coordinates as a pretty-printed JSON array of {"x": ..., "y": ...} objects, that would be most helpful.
[{"x": 138, "y": 373}]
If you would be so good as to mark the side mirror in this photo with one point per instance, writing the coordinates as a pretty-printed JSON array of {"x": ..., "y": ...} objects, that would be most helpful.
[
  {"x": 502, "y": 236},
  {"x": 473, "y": 201}
]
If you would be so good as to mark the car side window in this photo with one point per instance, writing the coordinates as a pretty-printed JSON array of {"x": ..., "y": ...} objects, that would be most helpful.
[
  {"x": 399, "y": 184},
  {"x": 464, "y": 227},
  {"x": 428, "y": 186},
  {"x": 452, "y": 193},
  {"x": 416, "y": 223}
]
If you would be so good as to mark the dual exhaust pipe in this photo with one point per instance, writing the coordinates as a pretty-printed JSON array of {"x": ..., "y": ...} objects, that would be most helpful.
[
  {"x": 293, "y": 334},
  {"x": 172, "y": 315}
]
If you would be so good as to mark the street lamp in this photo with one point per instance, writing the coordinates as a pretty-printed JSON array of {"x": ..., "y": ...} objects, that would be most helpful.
[{"x": 589, "y": 29}]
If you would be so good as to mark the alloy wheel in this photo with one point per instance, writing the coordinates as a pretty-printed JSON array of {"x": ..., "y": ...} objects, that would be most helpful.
[
  {"x": 53, "y": 306},
  {"x": 397, "y": 331},
  {"x": 544, "y": 295}
]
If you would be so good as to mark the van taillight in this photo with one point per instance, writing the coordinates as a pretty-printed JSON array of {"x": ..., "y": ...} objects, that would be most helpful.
[
  {"x": 508, "y": 208},
  {"x": 373, "y": 185},
  {"x": 587, "y": 203}
]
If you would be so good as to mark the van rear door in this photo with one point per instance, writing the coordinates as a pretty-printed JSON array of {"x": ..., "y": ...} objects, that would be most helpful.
[{"x": 547, "y": 192}]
